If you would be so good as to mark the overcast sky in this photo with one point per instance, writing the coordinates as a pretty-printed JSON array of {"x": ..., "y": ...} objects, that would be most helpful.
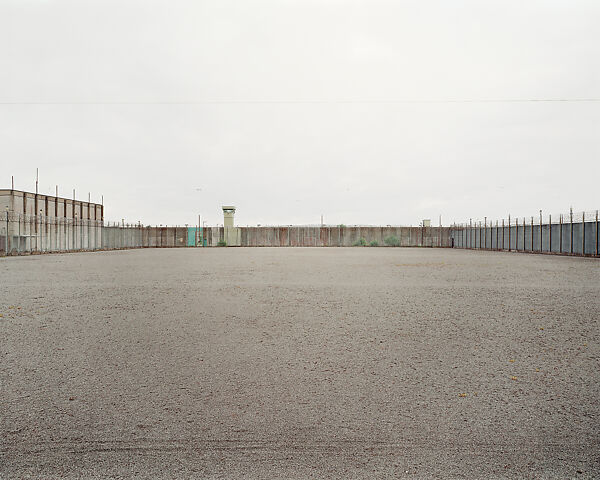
[{"x": 293, "y": 109}]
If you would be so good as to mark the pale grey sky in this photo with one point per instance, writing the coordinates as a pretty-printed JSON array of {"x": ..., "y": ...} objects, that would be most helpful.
[{"x": 293, "y": 109}]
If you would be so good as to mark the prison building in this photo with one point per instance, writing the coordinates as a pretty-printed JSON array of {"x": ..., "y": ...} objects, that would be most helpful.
[{"x": 35, "y": 222}]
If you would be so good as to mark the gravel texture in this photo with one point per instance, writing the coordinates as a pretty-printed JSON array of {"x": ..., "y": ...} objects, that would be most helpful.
[{"x": 299, "y": 363}]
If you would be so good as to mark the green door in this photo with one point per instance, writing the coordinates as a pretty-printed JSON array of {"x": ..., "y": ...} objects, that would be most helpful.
[{"x": 191, "y": 236}]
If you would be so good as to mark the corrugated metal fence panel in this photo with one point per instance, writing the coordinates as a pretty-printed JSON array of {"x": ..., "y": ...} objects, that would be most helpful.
[
  {"x": 591, "y": 244},
  {"x": 575, "y": 238}
]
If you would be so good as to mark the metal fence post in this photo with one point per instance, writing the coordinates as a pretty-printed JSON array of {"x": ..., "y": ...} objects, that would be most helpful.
[
  {"x": 541, "y": 243},
  {"x": 550, "y": 233},
  {"x": 583, "y": 234},
  {"x": 509, "y": 228},
  {"x": 484, "y": 232},
  {"x": 470, "y": 233},
  {"x": 524, "y": 234},
  {"x": 571, "y": 214},
  {"x": 497, "y": 236},
  {"x": 596, "y": 232},
  {"x": 480, "y": 235},
  {"x": 560, "y": 233},
  {"x": 532, "y": 234}
]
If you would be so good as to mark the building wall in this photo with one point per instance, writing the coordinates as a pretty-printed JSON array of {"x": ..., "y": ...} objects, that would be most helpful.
[{"x": 28, "y": 203}]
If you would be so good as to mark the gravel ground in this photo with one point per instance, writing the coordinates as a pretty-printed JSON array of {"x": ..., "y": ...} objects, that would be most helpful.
[{"x": 299, "y": 363}]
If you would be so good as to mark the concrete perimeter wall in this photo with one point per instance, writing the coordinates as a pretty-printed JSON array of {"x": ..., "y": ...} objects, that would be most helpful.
[
  {"x": 306, "y": 236},
  {"x": 51, "y": 236},
  {"x": 165, "y": 236},
  {"x": 37, "y": 234}
]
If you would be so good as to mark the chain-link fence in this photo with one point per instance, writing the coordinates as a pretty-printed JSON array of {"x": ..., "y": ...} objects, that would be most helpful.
[{"x": 571, "y": 233}]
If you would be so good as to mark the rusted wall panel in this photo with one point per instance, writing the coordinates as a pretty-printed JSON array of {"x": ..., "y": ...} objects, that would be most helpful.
[{"x": 301, "y": 236}]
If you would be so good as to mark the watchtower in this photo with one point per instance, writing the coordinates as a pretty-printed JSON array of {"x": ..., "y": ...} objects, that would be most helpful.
[{"x": 228, "y": 213}]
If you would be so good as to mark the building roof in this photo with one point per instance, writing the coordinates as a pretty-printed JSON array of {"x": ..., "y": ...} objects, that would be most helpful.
[{"x": 8, "y": 192}]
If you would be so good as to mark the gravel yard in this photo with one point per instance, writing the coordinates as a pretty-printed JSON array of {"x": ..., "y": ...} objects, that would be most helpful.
[{"x": 299, "y": 363}]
